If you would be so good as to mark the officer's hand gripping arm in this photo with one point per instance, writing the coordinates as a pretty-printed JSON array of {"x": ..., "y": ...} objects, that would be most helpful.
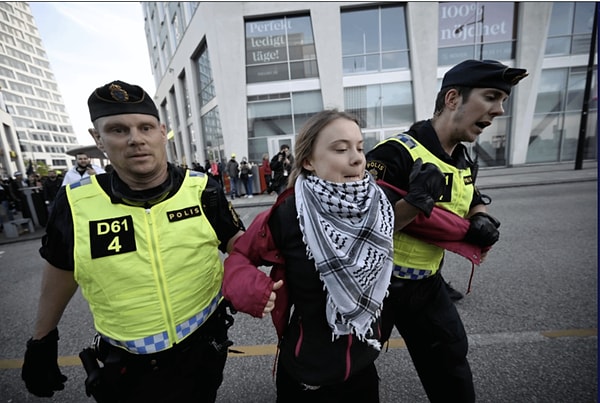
[
  {"x": 483, "y": 230},
  {"x": 426, "y": 185}
]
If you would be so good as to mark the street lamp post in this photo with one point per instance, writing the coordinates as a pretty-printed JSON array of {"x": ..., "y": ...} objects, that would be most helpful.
[
  {"x": 481, "y": 20},
  {"x": 586, "y": 95}
]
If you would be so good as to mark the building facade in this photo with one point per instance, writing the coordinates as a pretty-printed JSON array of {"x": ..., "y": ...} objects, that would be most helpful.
[
  {"x": 37, "y": 127},
  {"x": 242, "y": 77}
]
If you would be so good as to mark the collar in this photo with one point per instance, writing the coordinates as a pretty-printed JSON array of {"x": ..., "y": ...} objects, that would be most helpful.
[
  {"x": 122, "y": 193},
  {"x": 425, "y": 134}
]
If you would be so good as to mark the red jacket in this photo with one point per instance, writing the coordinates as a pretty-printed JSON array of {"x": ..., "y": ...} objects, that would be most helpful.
[
  {"x": 442, "y": 228},
  {"x": 241, "y": 272}
]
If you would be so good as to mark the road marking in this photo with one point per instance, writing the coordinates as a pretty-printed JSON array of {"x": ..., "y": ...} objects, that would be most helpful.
[{"x": 271, "y": 349}]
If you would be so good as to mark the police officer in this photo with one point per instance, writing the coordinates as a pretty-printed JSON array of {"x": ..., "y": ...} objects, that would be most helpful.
[
  {"x": 143, "y": 244},
  {"x": 431, "y": 164}
]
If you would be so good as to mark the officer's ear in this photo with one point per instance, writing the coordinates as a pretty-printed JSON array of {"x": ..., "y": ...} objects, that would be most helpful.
[
  {"x": 96, "y": 136},
  {"x": 452, "y": 98}
]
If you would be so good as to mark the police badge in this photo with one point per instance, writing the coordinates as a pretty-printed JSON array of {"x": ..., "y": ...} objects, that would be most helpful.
[{"x": 118, "y": 93}]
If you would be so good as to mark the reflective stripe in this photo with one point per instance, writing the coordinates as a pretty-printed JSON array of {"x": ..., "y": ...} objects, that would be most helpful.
[
  {"x": 159, "y": 342},
  {"x": 410, "y": 274},
  {"x": 197, "y": 320}
]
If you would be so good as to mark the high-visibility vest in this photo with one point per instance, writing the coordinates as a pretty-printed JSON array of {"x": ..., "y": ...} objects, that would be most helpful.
[
  {"x": 410, "y": 252},
  {"x": 146, "y": 271}
]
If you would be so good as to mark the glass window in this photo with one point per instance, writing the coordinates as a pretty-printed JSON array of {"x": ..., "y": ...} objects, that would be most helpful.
[
  {"x": 584, "y": 17},
  {"x": 280, "y": 49},
  {"x": 205, "y": 78},
  {"x": 278, "y": 115},
  {"x": 543, "y": 141},
  {"x": 476, "y": 30},
  {"x": 550, "y": 93},
  {"x": 186, "y": 94},
  {"x": 570, "y": 28},
  {"x": 381, "y": 105},
  {"x": 557, "y": 118},
  {"x": 575, "y": 89},
  {"x": 212, "y": 134},
  {"x": 271, "y": 118},
  {"x": 490, "y": 149},
  {"x": 374, "y": 39},
  {"x": 304, "y": 105},
  {"x": 563, "y": 12}
]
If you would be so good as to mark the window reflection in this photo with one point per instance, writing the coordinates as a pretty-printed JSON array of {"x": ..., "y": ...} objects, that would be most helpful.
[
  {"x": 381, "y": 105},
  {"x": 280, "y": 49},
  {"x": 205, "y": 77},
  {"x": 374, "y": 40},
  {"x": 570, "y": 28},
  {"x": 212, "y": 134},
  {"x": 281, "y": 114},
  {"x": 557, "y": 117}
]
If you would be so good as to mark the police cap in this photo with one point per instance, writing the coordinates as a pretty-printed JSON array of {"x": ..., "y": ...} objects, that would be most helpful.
[
  {"x": 483, "y": 74},
  {"x": 117, "y": 98}
]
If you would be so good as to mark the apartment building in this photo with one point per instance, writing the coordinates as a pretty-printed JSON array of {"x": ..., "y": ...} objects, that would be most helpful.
[{"x": 38, "y": 127}]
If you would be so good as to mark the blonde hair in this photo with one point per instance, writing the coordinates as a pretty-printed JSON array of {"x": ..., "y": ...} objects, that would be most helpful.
[{"x": 307, "y": 138}]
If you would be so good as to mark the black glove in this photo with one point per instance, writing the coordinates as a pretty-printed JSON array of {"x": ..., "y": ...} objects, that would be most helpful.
[
  {"x": 483, "y": 230},
  {"x": 426, "y": 185},
  {"x": 40, "y": 367}
]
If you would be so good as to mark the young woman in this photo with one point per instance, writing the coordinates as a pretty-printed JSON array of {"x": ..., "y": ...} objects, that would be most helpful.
[{"x": 329, "y": 240}]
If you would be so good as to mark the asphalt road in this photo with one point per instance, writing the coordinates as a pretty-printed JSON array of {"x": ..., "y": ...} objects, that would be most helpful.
[{"x": 531, "y": 316}]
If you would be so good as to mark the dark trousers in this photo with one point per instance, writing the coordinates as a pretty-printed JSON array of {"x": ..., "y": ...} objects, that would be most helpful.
[
  {"x": 193, "y": 376},
  {"x": 434, "y": 335},
  {"x": 190, "y": 371},
  {"x": 362, "y": 386}
]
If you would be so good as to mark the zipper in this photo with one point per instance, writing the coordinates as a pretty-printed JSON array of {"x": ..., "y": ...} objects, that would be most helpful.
[{"x": 159, "y": 276}]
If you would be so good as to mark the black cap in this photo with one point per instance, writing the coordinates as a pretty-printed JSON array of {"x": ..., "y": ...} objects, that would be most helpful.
[
  {"x": 483, "y": 74},
  {"x": 118, "y": 98}
]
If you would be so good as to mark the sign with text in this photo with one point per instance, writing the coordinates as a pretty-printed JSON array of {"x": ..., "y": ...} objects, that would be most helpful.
[
  {"x": 467, "y": 23},
  {"x": 266, "y": 41}
]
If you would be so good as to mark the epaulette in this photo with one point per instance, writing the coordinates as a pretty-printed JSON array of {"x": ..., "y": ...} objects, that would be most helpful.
[
  {"x": 196, "y": 173},
  {"x": 85, "y": 181},
  {"x": 407, "y": 139}
]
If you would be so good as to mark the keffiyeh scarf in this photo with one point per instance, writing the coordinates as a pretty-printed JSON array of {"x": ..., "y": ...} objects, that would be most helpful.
[{"x": 347, "y": 229}]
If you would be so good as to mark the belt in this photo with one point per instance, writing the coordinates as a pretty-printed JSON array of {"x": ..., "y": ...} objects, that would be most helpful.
[
  {"x": 410, "y": 273},
  {"x": 160, "y": 341}
]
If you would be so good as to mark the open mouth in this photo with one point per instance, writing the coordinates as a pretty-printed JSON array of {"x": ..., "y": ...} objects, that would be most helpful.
[{"x": 482, "y": 125}]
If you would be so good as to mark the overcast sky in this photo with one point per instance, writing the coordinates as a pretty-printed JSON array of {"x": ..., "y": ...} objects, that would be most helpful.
[{"x": 90, "y": 44}]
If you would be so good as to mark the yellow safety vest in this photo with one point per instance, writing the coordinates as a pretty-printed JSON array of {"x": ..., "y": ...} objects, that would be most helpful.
[
  {"x": 410, "y": 252},
  {"x": 150, "y": 275}
]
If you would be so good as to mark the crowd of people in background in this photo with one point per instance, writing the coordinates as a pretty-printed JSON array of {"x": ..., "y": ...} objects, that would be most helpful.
[
  {"x": 13, "y": 200},
  {"x": 240, "y": 175}
]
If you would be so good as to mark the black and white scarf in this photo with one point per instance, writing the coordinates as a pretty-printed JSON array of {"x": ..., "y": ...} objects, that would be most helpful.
[{"x": 347, "y": 229}]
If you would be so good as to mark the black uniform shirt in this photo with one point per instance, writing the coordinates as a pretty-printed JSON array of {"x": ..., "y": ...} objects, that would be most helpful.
[
  {"x": 57, "y": 243},
  {"x": 392, "y": 162}
]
